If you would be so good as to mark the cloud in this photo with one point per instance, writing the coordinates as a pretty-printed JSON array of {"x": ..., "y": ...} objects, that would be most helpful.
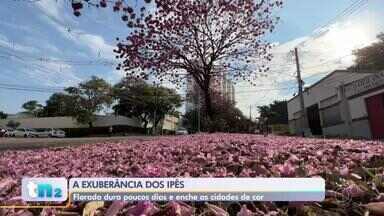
[
  {"x": 5, "y": 43},
  {"x": 97, "y": 45},
  {"x": 52, "y": 9},
  {"x": 57, "y": 15},
  {"x": 320, "y": 53},
  {"x": 48, "y": 73},
  {"x": 64, "y": 24},
  {"x": 26, "y": 29}
]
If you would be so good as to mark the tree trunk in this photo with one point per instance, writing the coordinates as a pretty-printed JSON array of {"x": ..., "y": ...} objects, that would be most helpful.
[
  {"x": 208, "y": 103},
  {"x": 146, "y": 127}
]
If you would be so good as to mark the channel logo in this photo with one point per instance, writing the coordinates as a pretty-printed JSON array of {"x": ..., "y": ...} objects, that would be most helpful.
[{"x": 44, "y": 189}]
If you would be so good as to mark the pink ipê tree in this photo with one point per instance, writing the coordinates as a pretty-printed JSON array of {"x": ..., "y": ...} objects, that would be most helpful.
[{"x": 202, "y": 39}]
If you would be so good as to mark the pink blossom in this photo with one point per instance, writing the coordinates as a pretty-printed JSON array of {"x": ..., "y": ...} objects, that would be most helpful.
[
  {"x": 221, "y": 155},
  {"x": 293, "y": 159},
  {"x": 145, "y": 208},
  {"x": 179, "y": 209},
  {"x": 286, "y": 170},
  {"x": 344, "y": 171},
  {"x": 353, "y": 191},
  {"x": 217, "y": 211},
  {"x": 115, "y": 208},
  {"x": 244, "y": 211}
]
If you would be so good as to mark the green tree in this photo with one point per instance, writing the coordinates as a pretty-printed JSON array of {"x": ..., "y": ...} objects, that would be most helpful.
[
  {"x": 148, "y": 103},
  {"x": 89, "y": 98},
  {"x": 3, "y": 115},
  {"x": 60, "y": 104},
  {"x": 276, "y": 112},
  {"x": 370, "y": 57},
  {"x": 13, "y": 124},
  {"x": 33, "y": 108},
  {"x": 226, "y": 117}
]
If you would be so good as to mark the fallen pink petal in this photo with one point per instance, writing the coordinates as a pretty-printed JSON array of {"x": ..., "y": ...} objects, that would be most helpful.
[{"x": 198, "y": 156}]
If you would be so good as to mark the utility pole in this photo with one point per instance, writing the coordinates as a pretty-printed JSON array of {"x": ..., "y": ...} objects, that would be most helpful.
[
  {"x": 154, "y": 112},
  {"x": 300, "y": 82},
  {"x": 250, "y": 112},
  {"x": 198, "y": 111}
]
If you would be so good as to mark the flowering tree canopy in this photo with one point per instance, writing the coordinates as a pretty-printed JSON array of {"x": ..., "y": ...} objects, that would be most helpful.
[
  {"x": 199, "y": 38},
  {"x": 117, "y": 5},
  {"x": 202, "y": 39}
]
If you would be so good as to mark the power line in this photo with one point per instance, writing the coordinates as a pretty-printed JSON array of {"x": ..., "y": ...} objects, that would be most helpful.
[
  {"x": 27, "y": 89},
  {"x": 52, "y": 60},
  {"x": 350, "y": 10},
  {"x": 50, "y": 89},
  {"x": 33, "y": 87},
  {"x": 325, "y": 62},
  {"x": 346, "y": 12}
]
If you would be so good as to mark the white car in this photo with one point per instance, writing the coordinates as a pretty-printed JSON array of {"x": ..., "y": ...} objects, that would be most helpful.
[
  {"x": 2, "y": 132},
  {"x": 57, "y": 133},
  {"x": 9, "y": 133},
  {"x": 50, "y": 132},
  {"x": 43, "y": 132},
  {"x": 23, "y": 132},
  {"x": 181, "y": 132}
]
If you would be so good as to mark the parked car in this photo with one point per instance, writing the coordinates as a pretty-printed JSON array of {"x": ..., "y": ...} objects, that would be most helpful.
[
  {"x": 9, "y": 133},
  {"x": 43, "y": 132},
  {"x": 2, "y": 132},
  {"x": 57, "y": 133},
  {"x": 181, "y": 131},
  {"x": 33, "y": 133},
  {"x": 24, "y": 132}
]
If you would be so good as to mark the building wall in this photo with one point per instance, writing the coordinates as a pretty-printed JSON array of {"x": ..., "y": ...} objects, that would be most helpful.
[
  {"x": 357, "y": 105},
  {"x": 112, "y": 120},
  {"x": 69, "y": 122},
  {"x": 170, "y": 123},
  {"x": 358, "y": 109},
  {"x": 326, "y": 94},
  {"x": 49, "y": 122},
  {"x": 322, "y": 90},
  {"x": 336, "y": 130},
  {"x": 361, "y": 129}
]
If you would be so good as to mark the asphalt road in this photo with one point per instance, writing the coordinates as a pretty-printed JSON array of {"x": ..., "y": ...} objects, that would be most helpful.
[{"x": 34, "y": 143}]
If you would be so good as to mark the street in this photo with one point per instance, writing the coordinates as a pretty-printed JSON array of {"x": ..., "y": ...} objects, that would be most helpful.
[{"x": 34, "y": 143}]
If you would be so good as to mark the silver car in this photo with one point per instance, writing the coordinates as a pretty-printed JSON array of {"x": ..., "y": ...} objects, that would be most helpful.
[
  {"x": 23, "y": 132},
  {"x": 43, "y": 132},
  {"x": 57, "y": 133},
  {"x": 9, "y": 133},
  {"x": 181, "y": 131}
]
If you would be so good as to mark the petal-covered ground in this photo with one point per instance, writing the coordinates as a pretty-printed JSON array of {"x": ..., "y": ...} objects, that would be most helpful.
[{"x": 354, "y": 171}]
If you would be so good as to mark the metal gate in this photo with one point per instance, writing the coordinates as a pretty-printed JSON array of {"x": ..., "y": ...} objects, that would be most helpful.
[
  {"x": 314, "y": 120},
  {"x": 375, "y": 108}
]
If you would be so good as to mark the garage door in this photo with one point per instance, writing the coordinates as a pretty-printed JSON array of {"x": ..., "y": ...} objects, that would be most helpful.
[{"x": 375, "y": 108}]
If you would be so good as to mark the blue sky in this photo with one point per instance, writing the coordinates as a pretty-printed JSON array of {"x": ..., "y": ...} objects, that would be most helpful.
[{"x": 43, "y": 45}]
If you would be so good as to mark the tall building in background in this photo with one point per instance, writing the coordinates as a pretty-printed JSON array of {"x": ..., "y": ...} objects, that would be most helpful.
[{"x": 220, "y": 85}]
